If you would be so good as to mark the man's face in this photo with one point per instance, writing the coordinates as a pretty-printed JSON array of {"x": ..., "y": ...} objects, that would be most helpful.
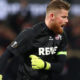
[{"x": 60, "y": 20}]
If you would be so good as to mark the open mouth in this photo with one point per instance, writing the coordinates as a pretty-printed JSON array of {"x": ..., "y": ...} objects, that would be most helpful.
[{"x": 62, "y": 26}]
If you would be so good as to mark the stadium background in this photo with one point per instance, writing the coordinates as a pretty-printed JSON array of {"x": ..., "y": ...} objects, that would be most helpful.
[{"x": 16, "y": 15}]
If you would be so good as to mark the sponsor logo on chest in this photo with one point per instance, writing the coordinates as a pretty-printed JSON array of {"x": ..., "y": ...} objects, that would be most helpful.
[{"x": 47, "y": 50}]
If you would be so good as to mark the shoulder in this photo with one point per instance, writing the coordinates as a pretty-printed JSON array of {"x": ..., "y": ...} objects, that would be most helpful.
[
  {"x": 30, "y": 32},
  {"x": 38, "y": 27},
  {"x": 26, "y": 33}
]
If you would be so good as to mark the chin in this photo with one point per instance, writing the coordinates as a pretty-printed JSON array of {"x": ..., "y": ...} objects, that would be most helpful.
[{"x": 60, "y": 31}]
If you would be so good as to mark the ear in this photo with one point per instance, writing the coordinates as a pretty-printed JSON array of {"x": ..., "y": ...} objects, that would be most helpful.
[{"x": 52, "y": 16}]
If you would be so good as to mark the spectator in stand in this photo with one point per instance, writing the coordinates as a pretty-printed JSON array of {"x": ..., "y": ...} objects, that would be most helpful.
[{"x": 22, "y": 17}]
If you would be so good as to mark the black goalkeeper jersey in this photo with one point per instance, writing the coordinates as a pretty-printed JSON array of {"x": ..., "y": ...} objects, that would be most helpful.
[{"x": 41, "y": 41}]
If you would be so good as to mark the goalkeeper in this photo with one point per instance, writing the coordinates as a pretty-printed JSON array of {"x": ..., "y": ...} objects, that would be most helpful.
[{"x": 42, "y": 47}]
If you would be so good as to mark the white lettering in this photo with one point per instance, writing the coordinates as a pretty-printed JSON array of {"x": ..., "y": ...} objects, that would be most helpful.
[
  {"x": 47, "y": 50},
  {"x": 53, "y": 50},
  {"x": 41, "y": 51}
]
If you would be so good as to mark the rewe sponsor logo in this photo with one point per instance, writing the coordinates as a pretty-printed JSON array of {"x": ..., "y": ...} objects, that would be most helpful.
[{"x": 47, "y": 50}]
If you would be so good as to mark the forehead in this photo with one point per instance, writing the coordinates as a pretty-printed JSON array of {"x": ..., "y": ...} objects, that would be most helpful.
[{"x": 62, "y": 12}]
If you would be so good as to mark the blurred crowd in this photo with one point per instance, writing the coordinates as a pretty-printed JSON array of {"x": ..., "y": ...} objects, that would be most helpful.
[{"x": 14, "y": 17}]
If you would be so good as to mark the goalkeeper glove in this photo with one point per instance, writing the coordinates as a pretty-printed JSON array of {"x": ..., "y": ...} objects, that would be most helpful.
[
  {"x": 38, "y": 63},
  {"x": 1, "y": 77}
]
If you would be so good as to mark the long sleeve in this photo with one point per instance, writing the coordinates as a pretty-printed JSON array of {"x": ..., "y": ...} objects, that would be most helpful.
[
  {"x": 61, "y": 56},
  {"x": 4, "y": 59},
  {"x": 58, "y": 66}
]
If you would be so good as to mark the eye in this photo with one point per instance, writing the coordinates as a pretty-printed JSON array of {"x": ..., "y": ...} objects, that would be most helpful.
[{"x": 65, "y": 17}]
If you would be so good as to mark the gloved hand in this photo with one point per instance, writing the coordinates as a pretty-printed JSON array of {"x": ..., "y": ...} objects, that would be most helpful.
[
  {"x": 38, "y": 63},
  {"x": 0, "y": 77}
]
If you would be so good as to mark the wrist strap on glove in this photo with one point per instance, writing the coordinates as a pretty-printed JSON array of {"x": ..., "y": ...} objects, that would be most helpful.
[{"x": 47, "y": 65}]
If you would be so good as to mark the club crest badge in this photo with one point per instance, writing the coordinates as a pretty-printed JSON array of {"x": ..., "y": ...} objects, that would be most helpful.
[{"x": 58, "y": 37}]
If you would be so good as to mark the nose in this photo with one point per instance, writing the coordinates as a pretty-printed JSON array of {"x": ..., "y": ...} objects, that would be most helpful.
[{"x": 66, "y": 20}]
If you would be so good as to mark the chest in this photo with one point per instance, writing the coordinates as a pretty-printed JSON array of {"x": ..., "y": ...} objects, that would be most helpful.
[{"x": 46, "y": 45}]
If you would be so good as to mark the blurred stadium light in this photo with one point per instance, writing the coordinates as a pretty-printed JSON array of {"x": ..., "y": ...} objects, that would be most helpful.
[{"x": 3, "y": 9}]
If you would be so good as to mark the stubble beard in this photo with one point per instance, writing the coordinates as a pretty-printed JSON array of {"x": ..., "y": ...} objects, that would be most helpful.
[{"x": 57, "y": 29}]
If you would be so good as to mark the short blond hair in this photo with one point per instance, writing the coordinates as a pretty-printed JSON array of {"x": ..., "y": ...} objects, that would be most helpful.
[{"x": 57, "y": 4}]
